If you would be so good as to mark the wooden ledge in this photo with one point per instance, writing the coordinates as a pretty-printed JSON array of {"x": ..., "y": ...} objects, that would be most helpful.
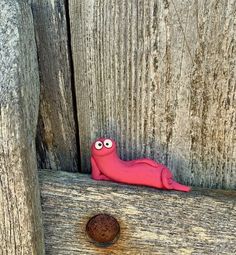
[{"x": 151, "y": 221}]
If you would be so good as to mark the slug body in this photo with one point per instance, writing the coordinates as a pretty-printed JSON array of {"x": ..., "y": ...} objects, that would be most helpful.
[{"x": 106, "y": 165}]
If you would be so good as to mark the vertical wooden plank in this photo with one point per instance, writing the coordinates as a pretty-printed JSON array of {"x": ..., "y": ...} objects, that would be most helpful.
[
  {"x": 159, "y": 77},
  {"x": 57, "y": 134},
  {"x": 20, "y": 210}
]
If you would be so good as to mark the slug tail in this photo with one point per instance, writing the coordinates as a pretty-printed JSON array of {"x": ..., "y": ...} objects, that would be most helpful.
[{"x": 170, "y": 184}]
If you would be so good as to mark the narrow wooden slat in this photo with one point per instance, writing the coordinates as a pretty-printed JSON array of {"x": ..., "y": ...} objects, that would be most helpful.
[
  {"x": 159, "y": 77},
  {"x": 20, "y": 210},
  {"x": 151, "y": 221},
  {"x": 56, "y": 137}
]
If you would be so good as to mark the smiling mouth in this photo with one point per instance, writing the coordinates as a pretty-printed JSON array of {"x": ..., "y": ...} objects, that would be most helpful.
[{"x": 104, "y": 154}]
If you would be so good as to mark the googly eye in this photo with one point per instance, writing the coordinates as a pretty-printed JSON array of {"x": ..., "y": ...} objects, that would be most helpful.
[
  {"x": 107, "y": 143},
  {"x": 98, "y": 145}
]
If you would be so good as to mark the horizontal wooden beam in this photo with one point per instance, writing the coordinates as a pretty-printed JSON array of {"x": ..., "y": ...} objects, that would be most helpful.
[{"x": 151, "y": 221}]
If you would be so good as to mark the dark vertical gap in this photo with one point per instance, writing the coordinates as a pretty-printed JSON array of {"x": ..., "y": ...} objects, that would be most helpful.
[
  {"x": 39, "y": 147},
  {"x": 74, "y": 100}
]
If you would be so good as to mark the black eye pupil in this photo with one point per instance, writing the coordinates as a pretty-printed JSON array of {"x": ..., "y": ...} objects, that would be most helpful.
[
  {"x": 107, "y": 143},
  {"x": 99, "y": 144}
]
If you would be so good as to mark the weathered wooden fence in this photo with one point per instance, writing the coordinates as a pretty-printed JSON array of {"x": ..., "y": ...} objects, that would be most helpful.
[
  {"x": 20, "y": 210},
  {"x": 156, "y": 75},
  {"x": 159, "y": 76},
  {"x": 56, "y": 137}
]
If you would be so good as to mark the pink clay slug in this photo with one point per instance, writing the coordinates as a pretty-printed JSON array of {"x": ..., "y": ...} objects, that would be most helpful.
[{"x": 106, "y": 165}]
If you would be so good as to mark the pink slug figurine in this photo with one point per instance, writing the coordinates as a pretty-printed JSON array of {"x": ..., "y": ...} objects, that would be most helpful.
[{"x": 106, "y": 165}]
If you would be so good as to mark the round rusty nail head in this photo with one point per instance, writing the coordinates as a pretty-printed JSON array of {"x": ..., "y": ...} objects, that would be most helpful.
[{"x": 103, "y": 229}]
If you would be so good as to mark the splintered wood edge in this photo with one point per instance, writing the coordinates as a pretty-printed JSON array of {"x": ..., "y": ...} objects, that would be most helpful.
[{"x": 152, "y": 221}]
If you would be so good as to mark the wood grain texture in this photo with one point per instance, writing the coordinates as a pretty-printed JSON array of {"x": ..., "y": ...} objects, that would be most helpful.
[
  {"x": 151, "y": 221},
  {"x": 20, "y": 210},
  {"x": 56, "y": 136},
  {"x": 159, "y": 77}
]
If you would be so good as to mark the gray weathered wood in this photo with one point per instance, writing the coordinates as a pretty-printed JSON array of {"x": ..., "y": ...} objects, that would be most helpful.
[
  {"x": 159, "y": 76},
  {"x": 151, "y": 221},
  {"x": 20, "y": 210},
  {"x": 56, "y": 137}
]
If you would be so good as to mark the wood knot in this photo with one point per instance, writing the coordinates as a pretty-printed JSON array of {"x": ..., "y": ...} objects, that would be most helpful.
[{"x": 103, "y": 229}]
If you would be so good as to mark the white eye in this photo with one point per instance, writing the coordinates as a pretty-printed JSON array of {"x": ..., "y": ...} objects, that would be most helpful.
[
  {"x": 108, "y": 143},
  {"x": 98, "y": 145}
]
